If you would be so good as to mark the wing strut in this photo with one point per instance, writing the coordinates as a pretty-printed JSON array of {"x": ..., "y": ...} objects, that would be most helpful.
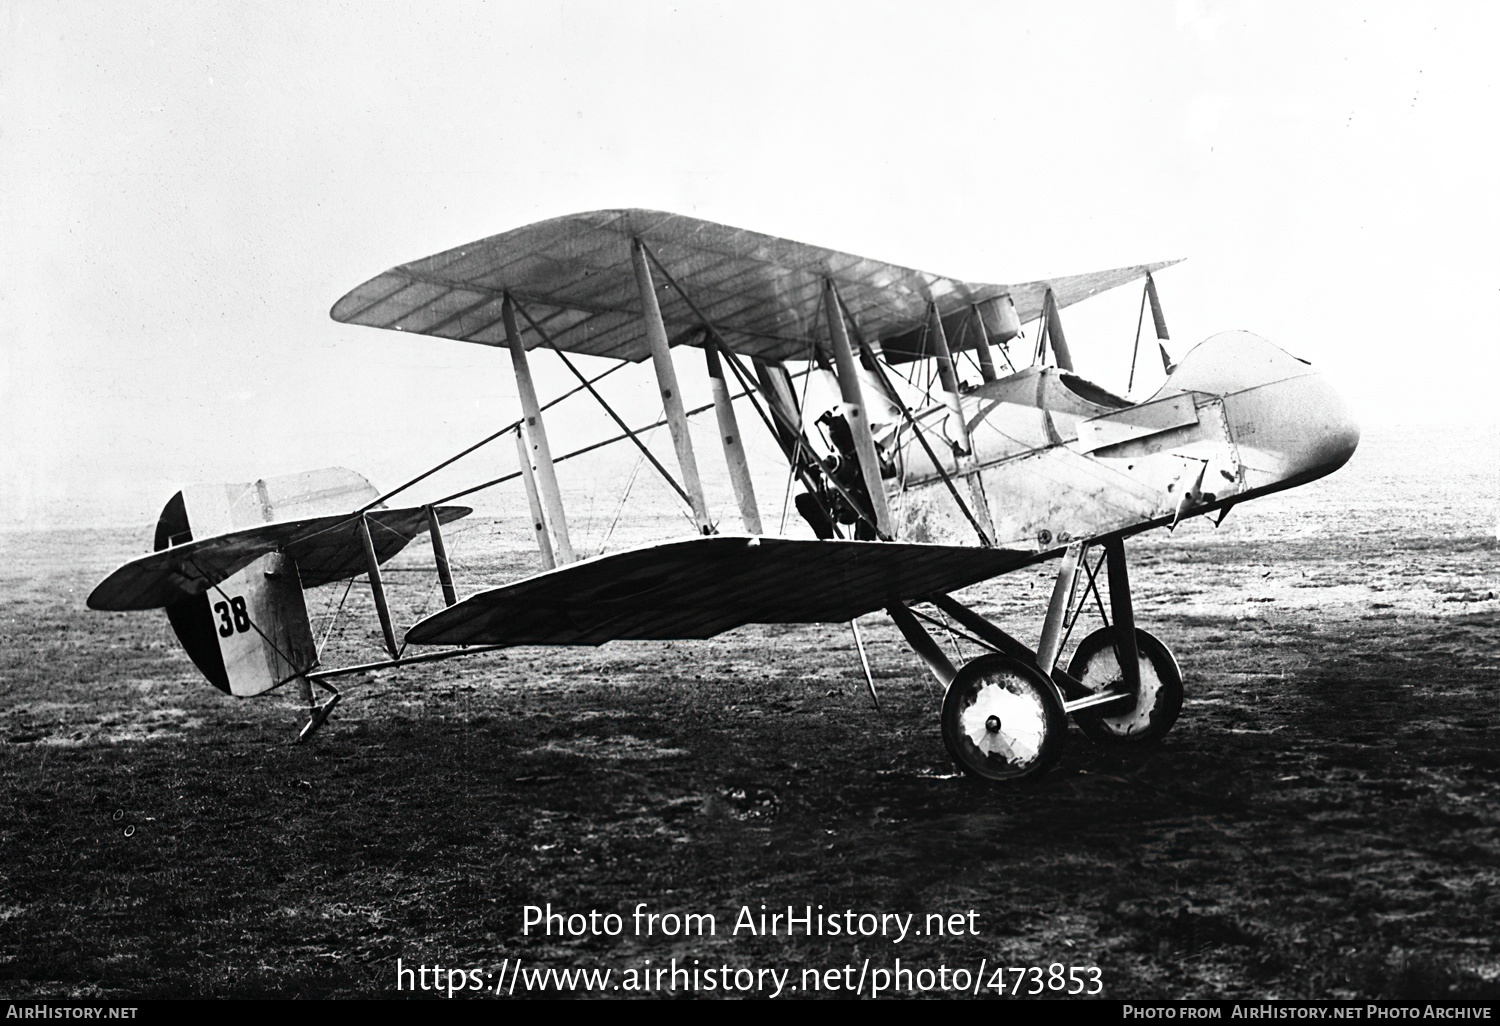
[
  {"x": 1140, "y": 320},
  {"x": 377, "y": 589},
  {"x": 947, "y": 375},
  {"x": 734, "y": 447},
  {"x": 1158, "y": 320},
  {"x": 854, "y": 408},
  {"x": 538, "y": 454},
  {"x": 984, "y": 538},
  {"x": 1157, "y": 316},
  {"x": 963, "y": 460},
  {"x": 982, "y": 343},
  {"x": 1051, "y": 330},
  {"x": 440, "y": 557},
  {"x": 792, "y": 438},
  {"x": 671, "y": 394},
  {"x": 799, "y": 446},
  {"x": 534, "y": 504},
  {"x": 666, "y": 475}
]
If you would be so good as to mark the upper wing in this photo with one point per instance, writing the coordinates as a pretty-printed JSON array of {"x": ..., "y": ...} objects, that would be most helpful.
[
  {"x": 702, "y": 587},
  {"x": 574, "y": 275},
  {"x": 326, "y": 549}
]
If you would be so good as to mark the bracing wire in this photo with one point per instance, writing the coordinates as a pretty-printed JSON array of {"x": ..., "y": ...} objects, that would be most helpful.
[
  {"x": 334, "y": 619},
  {"x": 1083, "y": 600},
  {"x": 1140, "y": 321},
  {"x": 629, "y": 484},
  {"x": 791, "y": 474},
  {"x": 427, "y": 599},
  {"x": 953, "y": 630},
  {"x": 488, "y": 439},
  {"x": 957, "y": 651}
]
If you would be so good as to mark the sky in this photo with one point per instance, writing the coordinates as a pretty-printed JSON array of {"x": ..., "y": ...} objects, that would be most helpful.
[{"x": 185, "y": 190}]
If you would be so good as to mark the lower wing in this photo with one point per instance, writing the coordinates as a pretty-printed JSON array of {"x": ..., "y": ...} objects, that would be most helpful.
[{"x": 702, "y": 587}]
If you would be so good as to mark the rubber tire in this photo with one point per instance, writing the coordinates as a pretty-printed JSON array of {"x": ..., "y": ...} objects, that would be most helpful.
[
  {"x": 1026, "y": 683},
  {"x": 1135, "y": 726}
]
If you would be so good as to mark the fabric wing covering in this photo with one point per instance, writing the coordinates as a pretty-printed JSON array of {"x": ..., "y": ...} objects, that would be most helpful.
[
  {"x": 705, "y": 586},
  {"x": 574, "y": 275},
  {"x": 326, "y": 549}
]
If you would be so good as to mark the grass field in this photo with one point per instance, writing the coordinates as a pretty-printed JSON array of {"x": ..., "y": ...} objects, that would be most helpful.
[{"x": 1324, "y": 820}]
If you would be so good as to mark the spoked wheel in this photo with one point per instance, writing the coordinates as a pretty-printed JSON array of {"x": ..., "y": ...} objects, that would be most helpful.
[
  {"x": 1156, "y": 706},
  {"x": 1002, "y": 720}
]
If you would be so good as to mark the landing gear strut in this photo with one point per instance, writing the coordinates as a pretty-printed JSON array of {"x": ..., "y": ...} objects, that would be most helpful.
[
  {"x": 1004, "y": 714},
  {"x": 1096, "y": 665},
  {"x": 1121, "y": 656}
]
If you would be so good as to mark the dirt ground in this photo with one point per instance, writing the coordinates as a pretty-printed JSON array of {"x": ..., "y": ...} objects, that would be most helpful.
[{"x": 1322, "y": 821}]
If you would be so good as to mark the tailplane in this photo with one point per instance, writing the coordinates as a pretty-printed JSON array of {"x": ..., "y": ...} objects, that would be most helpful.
[{"x": 250, "y": 632}]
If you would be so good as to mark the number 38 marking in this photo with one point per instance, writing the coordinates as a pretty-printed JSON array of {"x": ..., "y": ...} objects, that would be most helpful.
[{"x": 233, "y": 617}]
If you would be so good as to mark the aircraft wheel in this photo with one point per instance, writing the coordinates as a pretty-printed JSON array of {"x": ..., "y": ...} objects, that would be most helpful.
[
  {"x": 1157, "y": 704},
  {"x": 1002, "y": 720}
]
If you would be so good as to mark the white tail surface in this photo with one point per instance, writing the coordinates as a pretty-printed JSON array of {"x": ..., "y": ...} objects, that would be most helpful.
[
  {"x": 258, "y": 616},
  {"x": 261, "y": 620}
]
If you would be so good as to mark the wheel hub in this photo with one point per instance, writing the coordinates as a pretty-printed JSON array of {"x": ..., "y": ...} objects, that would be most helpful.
[{"x": 1001, "y": 722}]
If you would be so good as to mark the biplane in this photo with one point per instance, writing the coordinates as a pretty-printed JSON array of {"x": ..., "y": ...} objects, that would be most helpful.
[{"x": 913, "y": 485}]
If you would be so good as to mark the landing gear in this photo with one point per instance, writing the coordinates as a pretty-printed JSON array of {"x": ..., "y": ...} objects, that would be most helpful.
[
  {"x": 1005, "y": 714},
  {"x": 1002, "y": 720},
  {"x": 1121, "y": 657},
  {"x": 1096, "y": 666}
]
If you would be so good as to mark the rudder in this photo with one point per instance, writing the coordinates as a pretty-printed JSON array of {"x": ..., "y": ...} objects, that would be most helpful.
[{"x": 251, "y": 632}]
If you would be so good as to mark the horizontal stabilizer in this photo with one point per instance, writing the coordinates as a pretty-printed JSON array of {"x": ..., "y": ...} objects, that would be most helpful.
[
  {"x": 705, "y": 586},
  {"x": 216, "y": 508},
  {"x": 326, "y": 549}
]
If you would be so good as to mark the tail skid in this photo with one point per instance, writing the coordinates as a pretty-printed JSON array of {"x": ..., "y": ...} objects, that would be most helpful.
[{"x": 320, "y": 713}]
